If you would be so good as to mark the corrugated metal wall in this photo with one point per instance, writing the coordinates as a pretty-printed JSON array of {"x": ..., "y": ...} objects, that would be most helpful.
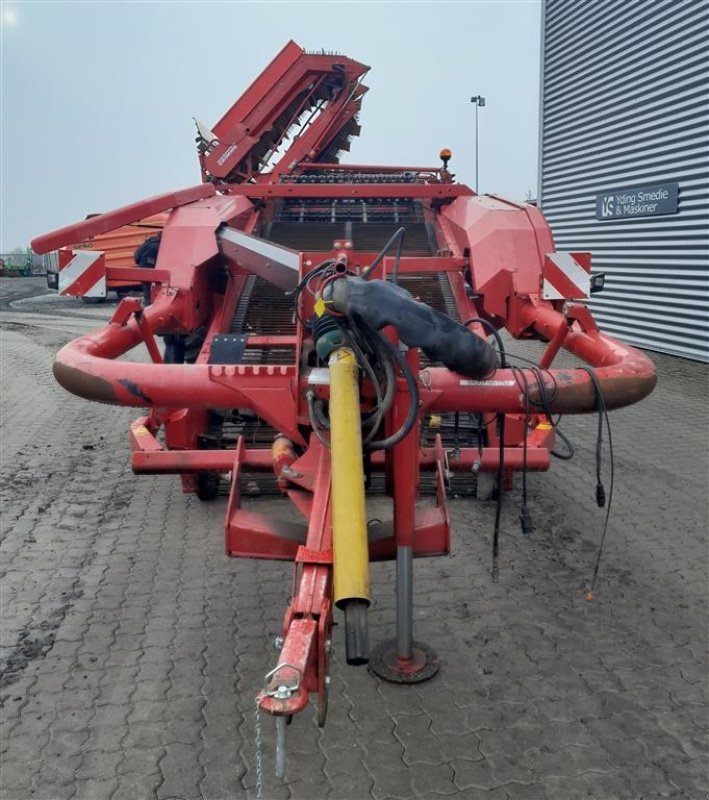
[{"x": 625, "y": 103}]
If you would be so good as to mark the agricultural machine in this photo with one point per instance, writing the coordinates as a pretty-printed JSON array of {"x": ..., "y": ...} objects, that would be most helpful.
[{"x": 337, "y": 328}]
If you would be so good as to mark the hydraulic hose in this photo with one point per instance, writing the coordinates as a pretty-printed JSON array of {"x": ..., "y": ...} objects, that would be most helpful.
[
  {"x": 412, "y": 386},
  {"x": 380, "y": 303},
  {"x": 397, "y": 235}
]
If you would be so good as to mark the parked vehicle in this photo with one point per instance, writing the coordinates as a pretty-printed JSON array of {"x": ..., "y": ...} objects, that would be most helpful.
[
  {"x": 14, "y": 265},
  {"x": 119, "y": 247}
]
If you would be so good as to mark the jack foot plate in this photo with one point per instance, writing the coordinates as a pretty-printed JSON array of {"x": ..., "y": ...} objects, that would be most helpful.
[{"x": 385, "y": 663}]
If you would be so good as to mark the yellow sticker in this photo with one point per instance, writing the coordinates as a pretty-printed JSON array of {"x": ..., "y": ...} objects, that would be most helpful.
[
  {"x": 319, "y": 307},
  {"x": 140, "y": 430},
  {"x": 544, "y": 426}
]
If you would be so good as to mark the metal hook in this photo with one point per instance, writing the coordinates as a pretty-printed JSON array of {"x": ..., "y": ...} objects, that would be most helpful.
[{"x": 282, "y": 692}]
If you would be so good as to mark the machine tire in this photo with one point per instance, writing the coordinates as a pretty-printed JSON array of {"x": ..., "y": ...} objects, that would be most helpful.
[
  {"x": 486, "y": 486},
  {"x": 93, "y": 301},
  {"x": 208, "y": 483}
]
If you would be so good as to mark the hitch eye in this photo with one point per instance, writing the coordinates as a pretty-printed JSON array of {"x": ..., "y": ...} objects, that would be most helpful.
[{"x": 598, "y": 282}]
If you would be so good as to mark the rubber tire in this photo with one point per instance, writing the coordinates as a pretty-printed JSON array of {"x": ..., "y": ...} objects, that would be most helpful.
[{"x": 208, "y": 483}]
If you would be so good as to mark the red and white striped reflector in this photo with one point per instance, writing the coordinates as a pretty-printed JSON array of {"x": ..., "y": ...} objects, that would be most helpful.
[
  {"x": 566, "y": 276},
  {"x": 82, "y": 273}
]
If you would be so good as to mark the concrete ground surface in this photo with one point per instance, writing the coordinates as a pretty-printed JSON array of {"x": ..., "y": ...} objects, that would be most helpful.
[{"x": 132, "y": 647}]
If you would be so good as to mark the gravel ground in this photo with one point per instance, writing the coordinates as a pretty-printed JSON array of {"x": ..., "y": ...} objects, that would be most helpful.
[{"x": 132, "y": 648}]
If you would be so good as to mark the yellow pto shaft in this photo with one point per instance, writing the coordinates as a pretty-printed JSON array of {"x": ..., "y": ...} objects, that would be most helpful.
[{"x": 349, "y": 520}]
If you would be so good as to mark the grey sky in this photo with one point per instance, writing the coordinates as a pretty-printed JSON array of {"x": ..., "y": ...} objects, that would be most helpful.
[{"x": 98, "y": 97}]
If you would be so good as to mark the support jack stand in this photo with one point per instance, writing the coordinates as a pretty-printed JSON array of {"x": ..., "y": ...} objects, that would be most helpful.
[{"x": 402, "y": 660}]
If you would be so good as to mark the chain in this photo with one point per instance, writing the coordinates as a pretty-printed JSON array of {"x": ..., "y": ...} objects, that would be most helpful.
[{"x": 259, "y": 768}]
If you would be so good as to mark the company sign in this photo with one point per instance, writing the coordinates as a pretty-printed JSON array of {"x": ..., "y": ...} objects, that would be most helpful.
[{"x": 641, "y": 201}]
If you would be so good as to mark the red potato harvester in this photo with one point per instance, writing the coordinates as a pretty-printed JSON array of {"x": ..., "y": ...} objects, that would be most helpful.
[{"x": 329, "y": 324}]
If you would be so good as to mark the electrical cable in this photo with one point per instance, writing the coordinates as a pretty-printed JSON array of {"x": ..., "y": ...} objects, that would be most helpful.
[
  {"x": 538, "y": 372},
  {"x": 563, "y": 456},
  {"x": 304, "y": 281},
  {"x": 603, "y": 410},
  {"x": 493, "y": 330},
  {"x": 501, "y": 466},
  {"x": 525, "y": 516},
  {"x": 545, "y": 403}
]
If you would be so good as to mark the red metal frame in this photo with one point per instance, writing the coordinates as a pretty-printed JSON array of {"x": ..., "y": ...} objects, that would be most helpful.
[
  {"x": 497, "y": 250},
  {"x": 103, "y": 223},
  {"x": 255, "y": 125},
  {"x": 433, "y": 191}
]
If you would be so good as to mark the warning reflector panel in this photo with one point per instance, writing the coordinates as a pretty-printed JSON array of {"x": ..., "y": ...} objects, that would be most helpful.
[
  {"x": 566, "y": 276},
  {"x": 82, "y": 273}
]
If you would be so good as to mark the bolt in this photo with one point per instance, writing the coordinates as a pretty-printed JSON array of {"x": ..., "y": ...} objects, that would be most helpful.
[
  {"x": 327, "y": 680},
  {"x": 282, "y": 693},
  {"x": 278, "y": 642}
]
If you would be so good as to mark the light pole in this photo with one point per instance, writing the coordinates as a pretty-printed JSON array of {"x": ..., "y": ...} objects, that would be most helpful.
[{"x": 479, "y": 102}]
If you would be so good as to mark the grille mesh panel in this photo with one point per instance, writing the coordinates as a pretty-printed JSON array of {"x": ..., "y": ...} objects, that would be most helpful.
[{"x": 264, "y": 310}]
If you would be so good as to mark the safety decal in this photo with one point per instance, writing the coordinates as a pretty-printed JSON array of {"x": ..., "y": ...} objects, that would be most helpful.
[
  {"x": 82, "y": 273},
  {"x": 566, "y": 276}
]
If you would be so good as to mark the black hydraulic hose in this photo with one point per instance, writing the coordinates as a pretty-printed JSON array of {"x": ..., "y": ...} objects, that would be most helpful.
[
  {"x": 310, "y": 397},
  {"x": 398, "y": 234},
  {"x": 397, "y": 258},
  {"x": 380, "y": 303},
  {"x": 390, "y": 374},
  {"x": 363, "y": 341},
  {"x": 412, "y": 416},
  {"x": 318, "y": 413}
]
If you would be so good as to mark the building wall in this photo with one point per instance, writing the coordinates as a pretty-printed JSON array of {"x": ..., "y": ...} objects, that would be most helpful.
[{"x": 625, "y": 105}]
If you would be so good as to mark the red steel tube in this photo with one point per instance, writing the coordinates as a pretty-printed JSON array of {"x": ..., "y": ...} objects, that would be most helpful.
[
  {"x": 176, "y": 461},
  {"x": 86, "y": 368},
  {"x": 103, "y": 223},
  {"x": 554, "y": 345},
  {"x": 625, "y": 376}
]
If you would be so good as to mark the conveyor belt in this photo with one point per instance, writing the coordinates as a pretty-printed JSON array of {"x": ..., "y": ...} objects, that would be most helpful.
[
  {"x": 263, "y": 310},
  {"x": 369, "y": 237}
]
